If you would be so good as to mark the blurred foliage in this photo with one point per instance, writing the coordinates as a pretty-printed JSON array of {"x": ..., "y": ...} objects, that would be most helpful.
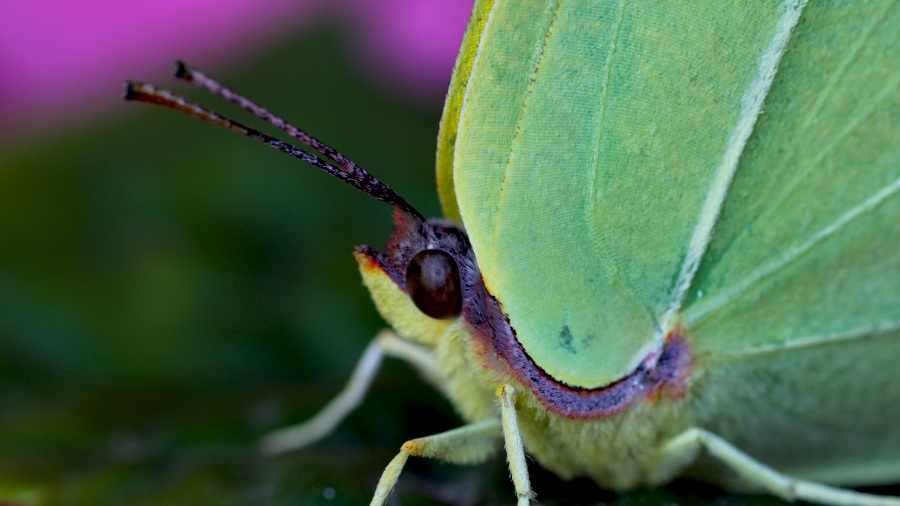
[{"x": 169, "y": 292}]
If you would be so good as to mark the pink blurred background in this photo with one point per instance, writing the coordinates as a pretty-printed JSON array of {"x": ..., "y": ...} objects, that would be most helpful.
[{"x": 61, "y": 62}]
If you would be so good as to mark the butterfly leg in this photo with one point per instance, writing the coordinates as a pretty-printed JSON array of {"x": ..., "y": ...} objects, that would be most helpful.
[
  {"x": 469, "y": 444},
  {"x": 385, "y": 343},
  {"x": 683, "y": 448},
  {"x": 515, "y": 449}
]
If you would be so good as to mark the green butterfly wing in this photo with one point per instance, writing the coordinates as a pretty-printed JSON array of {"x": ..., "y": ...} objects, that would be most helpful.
[
  {"x": 450, "y": 118},
  {"x": 623, "y": 168},
  {"x": 798, "y": 295},
  {"x": 807, "y": 247}
]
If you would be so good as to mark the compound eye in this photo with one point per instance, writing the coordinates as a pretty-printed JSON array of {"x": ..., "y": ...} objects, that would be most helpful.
[{"x": 432, "y": 280}]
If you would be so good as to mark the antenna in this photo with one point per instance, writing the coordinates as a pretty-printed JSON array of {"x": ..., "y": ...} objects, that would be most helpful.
[{"x": 344, "y": 169}]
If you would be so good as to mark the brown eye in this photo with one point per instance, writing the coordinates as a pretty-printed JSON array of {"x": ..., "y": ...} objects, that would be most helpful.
[{"x": 432, "y": 280}]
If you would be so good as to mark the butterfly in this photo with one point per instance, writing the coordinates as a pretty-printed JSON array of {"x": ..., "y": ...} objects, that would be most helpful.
[{"x": 671, "y": 244}]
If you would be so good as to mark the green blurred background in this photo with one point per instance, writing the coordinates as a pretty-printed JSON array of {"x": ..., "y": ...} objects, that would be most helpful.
[{"x": 169, "y": 292}]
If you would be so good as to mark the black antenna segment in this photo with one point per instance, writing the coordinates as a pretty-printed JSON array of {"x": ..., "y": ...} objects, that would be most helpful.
[{"x": 343, "y": 168}]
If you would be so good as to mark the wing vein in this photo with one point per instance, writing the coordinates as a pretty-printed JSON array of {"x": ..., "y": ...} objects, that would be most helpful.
[
  {"x": 720, "y": 300},
  {"x": 809, "y": 342},
  {"x": 751, "y": 106},
  {"x": 596, "y": 238},
  {"x": 798, "y": 173},
  {"x": 553, "y": 11}
]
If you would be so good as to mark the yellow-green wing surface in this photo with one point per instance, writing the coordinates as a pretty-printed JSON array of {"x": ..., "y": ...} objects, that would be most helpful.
[
  {"x": 622, "y": 167},
  {"x": 732, "y": 168},
  {"x": 795, "y": 308},
  {"x": 807, "y": 247},
  {"x": 455, "y": 96}
]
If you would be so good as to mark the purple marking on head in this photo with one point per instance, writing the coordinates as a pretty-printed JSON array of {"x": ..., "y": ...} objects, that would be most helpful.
[
  {"x": 662, "y": 371},
  {"x": 412, "y": 236}
]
